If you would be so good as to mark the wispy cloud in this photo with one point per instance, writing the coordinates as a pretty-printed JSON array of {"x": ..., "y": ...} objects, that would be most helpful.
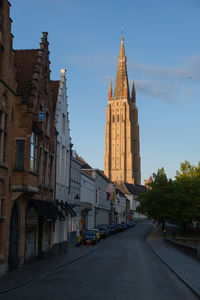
[
  {"x": 180, "y": 84},
  {"x": 169, "y": 84},
  {"x": 190, "y": 70}
]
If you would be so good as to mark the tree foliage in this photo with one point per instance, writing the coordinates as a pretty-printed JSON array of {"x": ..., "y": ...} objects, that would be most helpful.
[{"x": 177, "y": 199}]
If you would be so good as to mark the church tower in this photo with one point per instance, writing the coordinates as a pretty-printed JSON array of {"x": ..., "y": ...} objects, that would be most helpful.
[{"x": 122, "y": 146}]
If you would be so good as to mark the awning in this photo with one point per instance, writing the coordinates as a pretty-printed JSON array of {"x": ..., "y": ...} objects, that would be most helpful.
[
  {"x": 48, "y": 210},
  {"x": 62, "y": 205},
  {"x": 70, "y": 209},
  {"x": 86, "y": 206}
]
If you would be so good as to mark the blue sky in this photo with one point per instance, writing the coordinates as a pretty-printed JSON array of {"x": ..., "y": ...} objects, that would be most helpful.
[{"x": 162, "y": 46}]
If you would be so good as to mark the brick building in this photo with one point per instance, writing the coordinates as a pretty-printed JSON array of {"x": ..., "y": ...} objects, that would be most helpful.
[
  {"x": 27, "y": 150},
  {"x": 8, "y": 88}
]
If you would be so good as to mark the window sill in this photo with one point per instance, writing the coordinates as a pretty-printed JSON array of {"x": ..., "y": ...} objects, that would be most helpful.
[
  {"x": 18, "y": 170},
  {"x": 3, "y": 165},
  {"x": 33, "y": 173}
]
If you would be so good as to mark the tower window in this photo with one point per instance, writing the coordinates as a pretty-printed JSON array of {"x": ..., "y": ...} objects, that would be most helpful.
[
  {"x": 113, "y": 118},
  {"x": 117, "y": 118}
]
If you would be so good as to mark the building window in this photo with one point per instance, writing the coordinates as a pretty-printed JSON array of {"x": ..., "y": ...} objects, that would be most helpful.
[
  {"x": 51, "y": 171},
  {"x": 33, "y": 152},
  {"x": 113, "y": 118},
  {"x": 41, "y": 170},
  {"x": 19, "y": 161},
  {"x": 58, "y": 171},
  {"x": 2, "y": 135},
  {"x": 46, "y": 173},
  {"x": 63, "y": 166}
]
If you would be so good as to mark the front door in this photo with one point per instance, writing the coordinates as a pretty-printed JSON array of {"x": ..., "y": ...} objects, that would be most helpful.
[{"x": 13, "y": 239}]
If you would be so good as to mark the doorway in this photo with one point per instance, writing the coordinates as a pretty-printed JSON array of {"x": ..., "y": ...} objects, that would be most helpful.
[{"x": 13, "y": 239}]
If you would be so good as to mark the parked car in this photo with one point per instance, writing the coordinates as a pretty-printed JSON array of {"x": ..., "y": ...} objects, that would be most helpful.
[
  {"x": 124, "y": 226},
  {"x": 97, "y": 233},
  {"x": 131, "y": 224},
  {"x": 102, "y": 232},
  {"x": 104, "y": 229},
  {"x": 112, "y": 229},
  {"x": 91, "y": 236},
  {"x": 118, "y": 227}
]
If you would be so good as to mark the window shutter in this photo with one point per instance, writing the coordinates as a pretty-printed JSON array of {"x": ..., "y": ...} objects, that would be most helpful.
[{"x": 19, "y": 155}]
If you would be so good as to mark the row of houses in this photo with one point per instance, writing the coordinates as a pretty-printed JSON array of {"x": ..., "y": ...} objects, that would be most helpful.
[{"x": 47, "y": 191}]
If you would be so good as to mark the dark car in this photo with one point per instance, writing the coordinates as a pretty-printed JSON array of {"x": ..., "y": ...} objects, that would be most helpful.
[
  {"x": 131, "y": 224},
  {"x": 91, "y": 236},
  {"x": 103, "y": 230},
  {"x": 111, "y": 229},
  {"x": 119, "y": 227},
  {"x": 124, "y": 226}
]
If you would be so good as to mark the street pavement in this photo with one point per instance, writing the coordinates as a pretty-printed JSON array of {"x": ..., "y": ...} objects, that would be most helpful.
[
  {"x": 122, "y": 267},
  {"x": 184, "y": 266}
]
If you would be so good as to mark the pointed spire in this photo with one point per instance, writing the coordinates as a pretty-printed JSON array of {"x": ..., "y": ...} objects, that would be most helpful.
[
  {"x": 133, "y": 91},
  {"x": 110, "y": 90},
  {"x": 122, "y": 78},
  {"x": 122, "y": 52}
]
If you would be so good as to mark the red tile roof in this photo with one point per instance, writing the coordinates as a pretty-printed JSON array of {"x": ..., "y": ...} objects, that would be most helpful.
[{"x": 25, "y": 61}]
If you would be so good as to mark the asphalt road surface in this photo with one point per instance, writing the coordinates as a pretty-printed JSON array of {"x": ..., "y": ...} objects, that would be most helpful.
[{"x": 122, "y": 267}]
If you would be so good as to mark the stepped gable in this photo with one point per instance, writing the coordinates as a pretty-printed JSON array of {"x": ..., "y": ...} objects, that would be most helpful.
[
  {"x": 25, "y": 61},
  {"x": 54, "y": 91}
]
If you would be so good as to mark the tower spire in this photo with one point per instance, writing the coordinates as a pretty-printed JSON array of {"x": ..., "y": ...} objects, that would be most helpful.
[
  {"x": 122, "y": 52},
  {"x": 133, "y": 91},
  {"x": 122, "y": 77},
  {"x": 110, "y": 90}
]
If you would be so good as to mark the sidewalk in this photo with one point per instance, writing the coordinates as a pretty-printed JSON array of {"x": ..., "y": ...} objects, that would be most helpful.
[
  {"x": 41, "y": 268},
  {"x": 184, "y": 266}
]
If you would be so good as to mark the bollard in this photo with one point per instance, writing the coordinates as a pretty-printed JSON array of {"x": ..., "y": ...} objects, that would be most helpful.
[{"x": 88, "y": 243}]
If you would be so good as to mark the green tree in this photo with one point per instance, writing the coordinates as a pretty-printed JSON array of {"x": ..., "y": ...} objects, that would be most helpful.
[
  {"x": 187, "y": 193},
  {"x": 157, "y": 202}
]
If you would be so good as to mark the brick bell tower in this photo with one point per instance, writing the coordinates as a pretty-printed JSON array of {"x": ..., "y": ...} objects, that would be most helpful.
[{"x": 122, "y": 145}]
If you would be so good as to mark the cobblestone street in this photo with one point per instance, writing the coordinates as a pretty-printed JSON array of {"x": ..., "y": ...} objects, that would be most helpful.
[{"x": 122, "y": 267}]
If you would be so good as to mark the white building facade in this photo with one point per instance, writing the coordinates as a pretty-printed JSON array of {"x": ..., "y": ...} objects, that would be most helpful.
[
  {"x": 75, "y": 193},
  {"x": 88, "y": 193},
  {"x": 120, "y": 207},
  {"x": 63, "y": 148},
  {"x": 102, "y": 204}
]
